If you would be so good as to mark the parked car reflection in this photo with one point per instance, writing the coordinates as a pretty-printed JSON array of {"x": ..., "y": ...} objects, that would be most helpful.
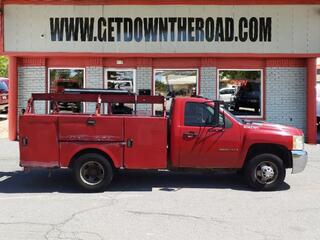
[
  {"x": 4, "y": 91},
  {"x": 246, "y": 99}
]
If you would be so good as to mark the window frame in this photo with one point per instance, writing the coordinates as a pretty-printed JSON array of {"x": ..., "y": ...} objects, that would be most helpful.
[
  {"x": 105, "y": 82},
  {"x": 62, "y": 68},
  {"x": 175, "y": 69},
  {"x": 105, "y": 76},
  {"x": 262, "y": 93}
]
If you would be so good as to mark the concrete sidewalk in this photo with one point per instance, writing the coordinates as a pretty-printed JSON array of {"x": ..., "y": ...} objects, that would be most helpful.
[{"x": 3, "y": 126}]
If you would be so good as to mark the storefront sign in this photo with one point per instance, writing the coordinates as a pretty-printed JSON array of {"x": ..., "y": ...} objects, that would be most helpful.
[
  {"x": 162, "y": 29},
  {"x": 173, "y": 29}
]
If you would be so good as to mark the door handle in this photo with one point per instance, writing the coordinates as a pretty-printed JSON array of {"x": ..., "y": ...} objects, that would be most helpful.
[
  {"x": 91, "y": 122},
  {"x": 189, "y": 135},
  {"x": 218, "y": 129}
]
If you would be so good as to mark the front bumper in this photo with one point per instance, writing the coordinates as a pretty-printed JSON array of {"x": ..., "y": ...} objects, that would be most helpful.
[{"x": 299, "y": 160}]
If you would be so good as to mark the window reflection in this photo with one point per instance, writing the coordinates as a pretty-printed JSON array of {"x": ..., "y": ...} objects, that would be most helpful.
[
  {"x": 241, "y": 91},
  {"x": 120, "y": 80},
  {"x": 172, "y": 83},
  {"x": 61, "y": 79}
]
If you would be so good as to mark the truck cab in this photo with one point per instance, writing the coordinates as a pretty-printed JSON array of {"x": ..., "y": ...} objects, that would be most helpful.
[{"x": 197, "y": 135}]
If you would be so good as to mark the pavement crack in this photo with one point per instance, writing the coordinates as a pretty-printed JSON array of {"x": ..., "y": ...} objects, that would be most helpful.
[
  {"x": 176, "y": 215},
  {"x": 26, "y": 223},
  {"x": 163, "y": 214},
  {"x": 56, "y": 232},
  {"x": 56, "y": 229}
]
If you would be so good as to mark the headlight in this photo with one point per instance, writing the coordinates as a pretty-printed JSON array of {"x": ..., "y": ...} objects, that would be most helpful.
[{"x": 298, "y": 143}]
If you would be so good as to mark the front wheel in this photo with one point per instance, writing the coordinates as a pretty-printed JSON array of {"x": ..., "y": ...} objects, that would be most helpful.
[
  {"x": 92, "y": 172},
  {"x": 265, "y": 172}
]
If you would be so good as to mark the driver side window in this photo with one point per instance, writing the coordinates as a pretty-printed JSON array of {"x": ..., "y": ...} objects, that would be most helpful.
[{"x": 198, "y": 114}]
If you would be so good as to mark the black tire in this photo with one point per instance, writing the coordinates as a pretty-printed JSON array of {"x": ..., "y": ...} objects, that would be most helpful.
[
  {"x": 259, "y": 169},
  {"x": 92, "y": 172}
]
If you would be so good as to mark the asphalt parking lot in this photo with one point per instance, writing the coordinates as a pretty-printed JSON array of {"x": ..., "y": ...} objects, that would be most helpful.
[
  {"x": 159, "y": 205},
  {"x": 3, "y": 126}
]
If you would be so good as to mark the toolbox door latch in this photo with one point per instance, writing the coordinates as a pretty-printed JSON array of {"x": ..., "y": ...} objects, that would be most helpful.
[{"x": 129, "y": 143}]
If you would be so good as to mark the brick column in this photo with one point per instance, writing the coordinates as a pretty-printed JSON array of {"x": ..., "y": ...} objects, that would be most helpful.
[
  {"x": 285, "y": 96},
  {"x": 94, "y": 79},
  {"x": 208, "y": 82},
  {"x": 13, "y": 98},
  {"x": 311, "y": 101},
  {"x": 208, "y": 78},
  {"x": 32, "y": 79},
  {"x": 144, "y": 81}
]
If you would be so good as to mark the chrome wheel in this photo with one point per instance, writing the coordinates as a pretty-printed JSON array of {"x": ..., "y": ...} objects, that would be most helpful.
[
  {"x": 266, "y": 172},
  {"x": 92, "y": 173}
]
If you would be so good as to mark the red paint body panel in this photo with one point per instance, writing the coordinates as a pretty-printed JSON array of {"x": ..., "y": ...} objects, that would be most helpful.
[
  {"x": 140, "y": 142},
  {"x": 41, "y": 134},
  {"x": 208, "y": 149},
  {"x": 149, "y": 137},
  {"x": 76, "y": 128},
  {"x": 76, "y": 135},
  {"x": 69, "y": 149},
  {"x": 227, "y": 149}
]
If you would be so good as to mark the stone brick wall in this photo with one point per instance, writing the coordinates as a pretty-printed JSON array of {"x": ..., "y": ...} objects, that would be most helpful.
[
  {"x": 208, "y": 82},
  {"x": 144, "y": 81},
  {"x": 285, "y": 90},
  {"x": 31, "y": 80},
  {"x": 286, "y": 96},
  {"x": 94, "y": 79}
]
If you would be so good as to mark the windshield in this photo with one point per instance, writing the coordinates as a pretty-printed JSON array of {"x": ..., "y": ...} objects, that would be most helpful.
[{"x": 239, "y": 120}]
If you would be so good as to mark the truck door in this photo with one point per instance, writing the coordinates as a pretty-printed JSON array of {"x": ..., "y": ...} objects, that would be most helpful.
[
  {"x": 205, "y": 146},
  {"x": 146, "y": 142},
  {"x": 38, "y": 141},
  {"x": 77, "y": 132}
]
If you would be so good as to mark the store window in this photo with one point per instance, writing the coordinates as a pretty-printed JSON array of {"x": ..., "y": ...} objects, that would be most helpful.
[
  {"x": 241, "y": 91},
  {"x": 63, "y": 78},
  {"x": 122, "y": 79},
  {"x": 175, "y": 82}
]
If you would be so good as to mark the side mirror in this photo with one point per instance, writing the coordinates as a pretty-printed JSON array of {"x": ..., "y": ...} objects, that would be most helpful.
[{"x": 216, "y": 113}]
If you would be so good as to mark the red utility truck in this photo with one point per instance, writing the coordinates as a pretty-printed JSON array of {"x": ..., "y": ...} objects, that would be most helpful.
[{"x": 198, "y": 134}]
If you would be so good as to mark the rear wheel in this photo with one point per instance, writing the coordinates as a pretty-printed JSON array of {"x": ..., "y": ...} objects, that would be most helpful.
[
  {"x": 265, "y": 172},
  {"x": 92, "y": 172}
]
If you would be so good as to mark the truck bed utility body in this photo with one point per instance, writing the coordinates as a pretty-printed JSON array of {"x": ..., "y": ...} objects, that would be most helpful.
[{"x": 197, "y": 135}]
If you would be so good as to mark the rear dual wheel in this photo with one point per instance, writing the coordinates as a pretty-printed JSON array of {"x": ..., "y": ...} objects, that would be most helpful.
[
  {"x": 265, "y": 172},
  {"x": 92, "y": 172}
]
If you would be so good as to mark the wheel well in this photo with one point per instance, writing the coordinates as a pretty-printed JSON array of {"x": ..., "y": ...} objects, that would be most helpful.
[
  {"x": 90, "y": 150},
  {"x": 276, "y": 149}
]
